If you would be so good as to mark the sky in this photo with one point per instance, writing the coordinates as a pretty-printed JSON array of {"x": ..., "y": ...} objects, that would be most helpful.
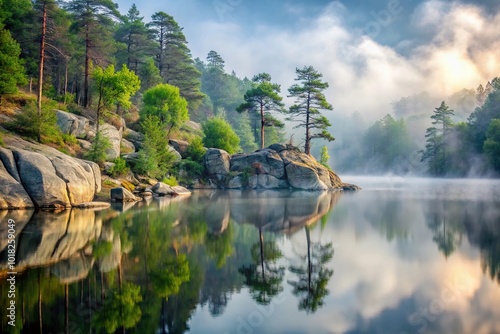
[{"x": 370, "y": 52}]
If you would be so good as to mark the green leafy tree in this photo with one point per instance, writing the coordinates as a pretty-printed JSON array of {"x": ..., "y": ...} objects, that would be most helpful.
[
  {"x": 41, "y": 127},
  {"x": 437, "y": 140},
  {"x": 169, "y": 276},
  {"x": 149, "y": 74},
  {"x": 309, "y": 101},
  {"x": 262, "y": 99},
  {"x": 219, "y": 134},
  {"x": 93, "y": 21},
  {"x": 492, "y": 144},
  {"x": 174, "y": 58},
  {"x": 11, "y": 67},
  {"x": 165, "y": 102},
  {"x": 97, "y": 152},
  {"x": 113, "y": 88}
]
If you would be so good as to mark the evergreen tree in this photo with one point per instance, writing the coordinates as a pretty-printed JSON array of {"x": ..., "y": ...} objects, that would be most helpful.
[
  {"x": 260, "y": 100},
  {"x": 11, "y": 68},
  {"x": 492, "y": 144},
  {"x": 174, "y": 58},
  {"x": 437, "y": 140},
  {"x": 309, "y": 99},
  {"x": 93, "y": 20},
  {"x": 136, "y": 38},
  {"x": 325, "y": 157}
]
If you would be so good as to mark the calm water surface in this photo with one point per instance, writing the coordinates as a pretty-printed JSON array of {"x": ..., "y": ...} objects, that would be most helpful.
[{"x": 401, "y": 256}]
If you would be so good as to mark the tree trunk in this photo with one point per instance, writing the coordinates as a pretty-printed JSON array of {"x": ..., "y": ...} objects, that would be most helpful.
[
  {"x": 87, "y": 68},
  {"x": 40, "y": 66},
  {"x": 262, "y": 123},
  {"x": 307, "y": 146}
]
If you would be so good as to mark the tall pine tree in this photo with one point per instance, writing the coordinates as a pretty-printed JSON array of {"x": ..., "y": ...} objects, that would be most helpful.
[{"x": 309, "y": 100}]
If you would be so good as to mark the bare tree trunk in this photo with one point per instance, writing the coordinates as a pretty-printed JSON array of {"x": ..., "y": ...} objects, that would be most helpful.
[
  {"x": 307, "y": 148},
  {"x": 87, "y": 66},
  {"x": 262, "y": 123},
  {"x": 41, "y": 64}
]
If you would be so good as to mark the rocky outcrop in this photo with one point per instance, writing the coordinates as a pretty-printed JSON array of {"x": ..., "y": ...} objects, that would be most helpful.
[
  {"x": 33, "y": 175},
  {"x": 276, "y": 167},
  {"x": 127, "y": 147},
  {"x": 72, "y": 124},
  {"x": 217, "y": 165}
]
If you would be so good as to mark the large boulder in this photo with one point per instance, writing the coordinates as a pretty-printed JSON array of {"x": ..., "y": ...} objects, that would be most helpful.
[
  {"x": 217, "y": 164},
  {"x": 41, "y": 181},
  {"x": 134, "y": 137},
  {"x": 180, "y": 146},
  {"x": 115, "y": 138},
  {"x": 72, "y": 124},
  {"x": 40, "y": 176},
  {"x": 127, "y": 146},
  {"x": 302, "y": 176},
  {"x": 123, "y": 195}
]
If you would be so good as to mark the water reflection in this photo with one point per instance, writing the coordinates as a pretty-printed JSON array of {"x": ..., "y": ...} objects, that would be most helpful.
[{"x": 225, "y": 261}]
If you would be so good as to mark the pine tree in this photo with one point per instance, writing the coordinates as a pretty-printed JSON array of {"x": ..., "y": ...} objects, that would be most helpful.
[
  {"x": 309, "y": 99},
  {"x": 261, "y": 100},
  {"x": 93, "y": 19},
  {"x": 174, "y": 59},
  {"x": 437, "y": 140},
  {"x": 11, "y": 68}
]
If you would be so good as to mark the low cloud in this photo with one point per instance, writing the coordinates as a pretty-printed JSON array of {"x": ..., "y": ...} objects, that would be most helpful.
[{"x": 363, "y": 74}]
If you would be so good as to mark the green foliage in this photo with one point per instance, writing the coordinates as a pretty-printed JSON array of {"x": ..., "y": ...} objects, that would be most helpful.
[
  {"x": 97, "y": 151},
  {"x": 120, "y": 310},
  {"x": 119, "y": 169},
  {"x": 325, "y": 157},
  {"x": 114, "y": 88},
  {"x": 479, "y": 121},
  {"x": 42, "y": 128},
  {"x": 196, "y": 151},
  {"x": 492, "y": 144},
  {"x": 174, "y": 58},
  {"x": 220, "y": 134},
  {"x": 193, "y": 169},
  {"x": 150, "y": 74},
  {"x": 168, "y": 277},
  {"x": 309, "y": 100},
  {"x": 437, "y": 146},
  {"x": 170, "y": 181},
  {"x": 11, "y": 67},
  {"x": 164, "y": 102},
  {"x": 262, "y": 98},
  {"x": 2, "y": 143},
  {"x": 154, "y": 158},
  {"x": 388, "y": 146}
]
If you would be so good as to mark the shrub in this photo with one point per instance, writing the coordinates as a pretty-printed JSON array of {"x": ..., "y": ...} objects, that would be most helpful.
[
  {"x": 42, "y": 128},
  {"x": 119, "y": 169},
  {"x": 1, "y": 140},
  {"x": 220, "y": 134},
  {"x": 170, "y": 181},
  {"x": 193, "y": 169},
  {"x": 196, "y": 151},
  {"x": 97, "y": 152}
]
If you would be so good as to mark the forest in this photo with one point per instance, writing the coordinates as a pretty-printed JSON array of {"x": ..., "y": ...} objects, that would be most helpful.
[{"x": 88, "y": 58}]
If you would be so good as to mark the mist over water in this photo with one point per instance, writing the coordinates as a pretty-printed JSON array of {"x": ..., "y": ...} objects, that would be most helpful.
[{"x": 403, "y": 255}]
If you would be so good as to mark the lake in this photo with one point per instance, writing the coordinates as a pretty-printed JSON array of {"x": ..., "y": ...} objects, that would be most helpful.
[{"x": 401, "y": 256}]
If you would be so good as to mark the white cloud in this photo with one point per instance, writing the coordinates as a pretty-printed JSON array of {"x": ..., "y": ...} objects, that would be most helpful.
[{"x": 363, "y": 75}]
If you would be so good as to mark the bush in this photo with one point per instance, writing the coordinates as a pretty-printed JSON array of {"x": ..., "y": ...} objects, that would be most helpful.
[
  {"x": 119, "y": 169},
  {"x": 219, "y": 134},
  {"x": 44, "y": 129},
  {"x": 193, "y": 169},
  {"x": 97, "y": 152},
  {"x": 196, "y": 151},
  {"x": 170, "y": 181}
]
